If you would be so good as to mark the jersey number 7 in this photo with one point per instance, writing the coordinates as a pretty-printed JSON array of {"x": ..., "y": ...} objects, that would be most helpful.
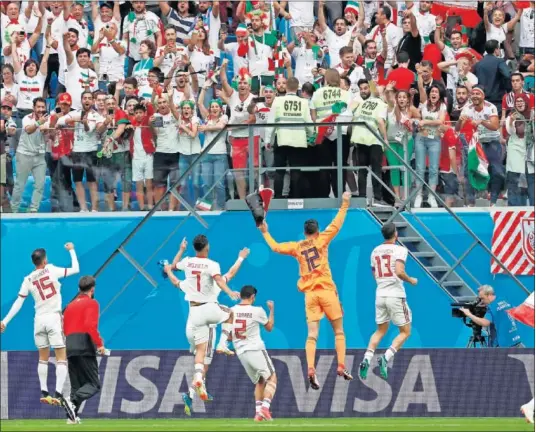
[
  {"x": 197, "y": 274},
  {"x": 43, "y": 285}
]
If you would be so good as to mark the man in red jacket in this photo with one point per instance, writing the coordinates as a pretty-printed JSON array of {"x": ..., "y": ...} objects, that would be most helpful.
[{"x": 80, "y": 326}]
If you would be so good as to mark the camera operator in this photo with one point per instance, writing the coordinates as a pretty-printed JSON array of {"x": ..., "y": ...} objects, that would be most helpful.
[{"x": 502, "y": 328}]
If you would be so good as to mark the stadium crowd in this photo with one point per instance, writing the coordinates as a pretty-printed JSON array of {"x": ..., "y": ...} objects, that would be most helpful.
[{"x": 117, "y": 99}]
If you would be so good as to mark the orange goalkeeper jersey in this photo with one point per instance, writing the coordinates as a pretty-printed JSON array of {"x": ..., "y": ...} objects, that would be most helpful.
[{"x": 312, "y": 255}]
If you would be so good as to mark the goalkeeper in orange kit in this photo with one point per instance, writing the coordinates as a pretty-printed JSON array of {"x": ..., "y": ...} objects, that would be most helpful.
[{"x": 317, "y": 283}]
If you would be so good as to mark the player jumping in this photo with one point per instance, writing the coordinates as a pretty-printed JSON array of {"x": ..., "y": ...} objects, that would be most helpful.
[
  {"x": 317, "y": 283},
  {"x": 202, "y": 286},
  {"x": 242, "y": 255},
  {"x": 388, "y": 263},
  {"x": 45, "y": 288},
  {"x": 251, "y": 350}
]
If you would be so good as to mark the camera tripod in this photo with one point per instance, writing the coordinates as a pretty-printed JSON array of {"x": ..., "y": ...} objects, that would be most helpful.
[{"x": 477, "y": 341}]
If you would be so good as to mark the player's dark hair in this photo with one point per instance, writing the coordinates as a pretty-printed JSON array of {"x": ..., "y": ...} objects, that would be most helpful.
[
  {"x": 248, "y": 291},
  {"x": 310, "y": 227},
  {"x": 362, "y": 81},
  {"x": 518, "y": 74},
  {"x": 140, "y": 107},
  {"x": 200, "y": 242},
  {"x": 86, "y": 283},
  {"x": 83, "y": 51},
  {"x": 388, "y": 231},
  {"x": 132, "y": 81},
  {"x": 38, "y": 256}
]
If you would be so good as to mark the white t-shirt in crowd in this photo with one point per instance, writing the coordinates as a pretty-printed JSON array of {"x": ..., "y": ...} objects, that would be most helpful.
[
  {"x": 139, "y": 30},
  {"x": 31, "y": 144},
  {"x": 187, "y": 144},
  {"x": 74, "y": 78},
  {"x": 302, "y": 13},
  {"x": 220, "y": 147},
  {"x": 169, "y": 58},
  {"x": 488, "y": 111},
  {"x": 23, "y": 51},
  {"x": 29, "y": 89},
  {"x": 246, "y": 334},
  {"x": 238, "y": 61},
  {"x": 335, "y": 43},
  {"x": 426, "y": 23},
  {"x": 239, "y": 114},
  {"x": 201, "y": 62},
  {"x": 98, "y": 25},
  {"x": 84, "y": 141},
  {"x": 110, "y": 62},
  {"x": 431, "y": 115},
  {"x": 83, "y": 31},
  {"x": 383, "y": 261},
  {"x": 394, "y": 34},
  {"x": 167, "y": 137},
  {"x": 305, "y": 63},
  {"x": 497, "y": 33},
  {"x": 526, "y": 34},
  {"x": 59, "y": 26}
]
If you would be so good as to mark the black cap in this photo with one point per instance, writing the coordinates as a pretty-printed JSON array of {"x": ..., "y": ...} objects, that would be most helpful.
[{"x": 109, "y": 5}]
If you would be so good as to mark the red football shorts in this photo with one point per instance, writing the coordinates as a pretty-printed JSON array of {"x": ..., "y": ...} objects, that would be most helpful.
[{"x": 241, "y": 152}]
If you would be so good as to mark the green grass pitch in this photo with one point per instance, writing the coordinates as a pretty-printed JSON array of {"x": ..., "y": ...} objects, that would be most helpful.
[{"x": 298, "y": 424}]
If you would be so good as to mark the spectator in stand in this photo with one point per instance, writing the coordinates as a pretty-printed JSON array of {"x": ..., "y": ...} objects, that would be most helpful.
[
  {"x": 239, "y": 56},
  {"x": 103, "y": 17},
  {"x": 141, "y": 25},
  {"x": 426, "y": 22},
  {"x": 394, "y": 35},
  {"x": 305, "y": 56},
  {"x": 411, "y": 40},
  {"x": 80, "y": 77},
  {"x": 402, "y": 77},
  {"x": 142, "y": 149},
  {"x": 400, "y": 117},
  {"x": 428, "y": 143},
  {"x": 130, "y": 87},
  {"x": 450, "y": 173},
  {"x": 458, "y": 73},
  {"x": 336, "y": 38},
  {"x": 10, "y": 89},
  {"x": 112, "y": 55},
  {"x": 241, "y": 103},
  {"x": 371, "y": 60},
  {"x": 142, "y": 68},
  {"x": 426, "y": 68},
  {"x": 180, "y": 19},
  {"x": 88, "y": 125},
  {"x": 23, "y": 45},
  {"x": 171, "y": 52},
  {"x": 119, "y": 163},
  {"x": 460, "y": 101},
  {"x": 208, "y": 18},
  {"x": 526, "y": 31},
  {"x": 201, "y": 56},
  {"x": 76, "y": 21},
  {"x": 182, "y": 89},
  {"x": 493, "y": 74},
  {"x": 373, "y": 112},
  {"x": 484, "y": 115},
  {"x": 301, "y": 16},
  {"x": 30, "y": 156},
  {"x": 165, "y": 128},
  {"x": 508, "y": 101},
  {"x": 496, "y": 28},
  {"x": 8, "y": 128},
  {"x": 517, "y": 126}
]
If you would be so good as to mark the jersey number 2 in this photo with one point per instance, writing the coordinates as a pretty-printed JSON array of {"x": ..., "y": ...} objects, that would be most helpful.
[
  {"x": 383, "y": 266},
  {"x": 240, "y": 329},
  {"x": 43, "y": 285}
]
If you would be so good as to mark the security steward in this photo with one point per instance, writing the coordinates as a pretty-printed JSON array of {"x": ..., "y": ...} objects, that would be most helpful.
[
  {"x": 291, "y": 147},
  {"x": 83, "y": 341}
]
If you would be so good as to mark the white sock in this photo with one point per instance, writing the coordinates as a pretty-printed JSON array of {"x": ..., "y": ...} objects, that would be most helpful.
[
  {"x": 266, "y": 403},
  {"x": 199, "y": 368},
  {"x": 42, "y": 371},
  {"x": 368, "y": 355},
  {"x": 530, "y": 404},
  {"x": 390, "y": 353},
  {"x": 258, "y": 406},
  {"x": 191, "y": 392},
  {"x": 61, "y": 375},
  {"x": 226, "y": 329}
]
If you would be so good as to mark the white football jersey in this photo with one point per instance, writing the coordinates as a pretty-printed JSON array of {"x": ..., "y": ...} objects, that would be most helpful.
[
  {"x": 382, "y": 261},
  {"x": 45, "y": 288},
  {"x": 247, "y": 320},
  {"x": 198, "y": 284}
]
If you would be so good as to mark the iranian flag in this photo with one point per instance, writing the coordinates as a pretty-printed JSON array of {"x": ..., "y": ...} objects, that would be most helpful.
[
  {"x": 477, "y": 163},
  {"x": 525, "y": 312}
]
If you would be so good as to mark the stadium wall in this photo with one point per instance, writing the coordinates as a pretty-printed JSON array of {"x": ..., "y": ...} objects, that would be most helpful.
[
  {"x": 140, "y": 317},
  {"x": 148, "y": 384}
]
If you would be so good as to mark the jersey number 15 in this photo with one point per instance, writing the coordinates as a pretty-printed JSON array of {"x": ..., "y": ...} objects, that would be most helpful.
[{"x": 45, "y": 287}]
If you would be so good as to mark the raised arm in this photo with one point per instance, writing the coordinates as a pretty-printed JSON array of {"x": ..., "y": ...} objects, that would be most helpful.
[
  {"x": 227, "y": 89},
  {"x": 287, "y": 248},
  {"x": 180, "y": 253},
  {"x": 322, "y": 16},
  {"x": 201, "y": 103},
  {"x": 75, "y": 267},
  {"x": 335, "y": 226},
  {"x": 231, "y": 273},
  {"x": 220, "y": 281},
  {"x": 68, "y": 51},
  {"x": 270, "y": 324},
  {"x": 23, "y": 293}
]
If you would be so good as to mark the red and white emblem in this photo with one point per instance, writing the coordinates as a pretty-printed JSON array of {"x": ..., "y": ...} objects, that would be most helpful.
[{"x": 527, "y": 226}]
